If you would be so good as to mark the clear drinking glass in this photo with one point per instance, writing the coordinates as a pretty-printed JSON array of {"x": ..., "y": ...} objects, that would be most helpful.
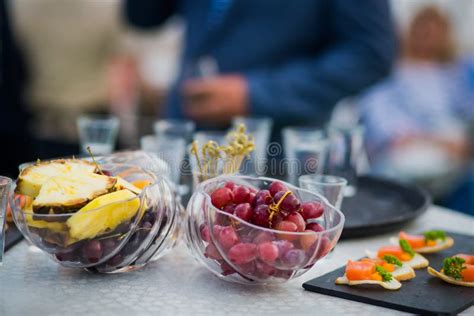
[
  {"x": 260, "y": 129},
  {"x": 331, "y": 187},
  {"x": 5, "y": 191},
  {"x": 305, "y": 151},
  {"x": 99, "y": 132},
  {"x": 345, "y": 154},
  {"x": 175, "y": 128},
  {"x": 204, "y": 136},
  {"x": 169, "y": 149}
]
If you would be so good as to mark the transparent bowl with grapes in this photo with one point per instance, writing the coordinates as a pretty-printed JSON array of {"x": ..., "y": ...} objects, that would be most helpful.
[
  {"x": 117, "y": 232},
  {"x": 259, "y": 230}
]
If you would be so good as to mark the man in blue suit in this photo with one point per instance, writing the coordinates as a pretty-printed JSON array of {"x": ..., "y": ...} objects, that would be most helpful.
[{"x": 289, "y": 60}]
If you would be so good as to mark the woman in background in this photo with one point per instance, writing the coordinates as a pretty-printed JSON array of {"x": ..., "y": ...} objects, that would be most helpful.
[{"x": 418, "y": 120}]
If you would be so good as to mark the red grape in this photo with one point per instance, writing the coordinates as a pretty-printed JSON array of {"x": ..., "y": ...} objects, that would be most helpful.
[
  {"x": 228, "y": 237},
  {"x": 324, "y": 247},
  {"x": 92, "y": 251},
  {"x": 315, "y": 227},
  {"x": 221, "y": 197},
  {"x": 216, "y": 230},
  {"x": 260, "y": 215},
  {"x": 244, "y": 211},
  {"x": 296, "y": 218},
  {"x": 311, "y": 210},
  {"x": 294, "y": 257},
  {"x": 283, "y": 246},
  {"x": 227, "y": 269},
  {"x": 229, "y": 185},
  {"x": 264, "y": 270},
  {"x": 267, "y": 251},
  {"x": 306, "y": 241},
  {"x": 287, "y": 226},
  {"x": 263, "y": 237},
  {"x": 276, "y": 187},
  {"x": 241, "y": 194},
  {"x": 205, "y": 233},
  {"x": 262, "y": 197},
  {"x": 229, "y": 208},
  {"x": 289, "y": 204},
  {"x": 211, "y": 252},
  {"x": 251, "y": 197},
  {"x": 242, "y": 253}
]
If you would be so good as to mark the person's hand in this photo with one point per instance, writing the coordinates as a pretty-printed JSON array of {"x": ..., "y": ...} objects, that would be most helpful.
[{"x": 216, "y": 100}]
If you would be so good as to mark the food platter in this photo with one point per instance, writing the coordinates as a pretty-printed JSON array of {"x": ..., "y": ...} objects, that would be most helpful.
[{"x": 425, "y": 294}]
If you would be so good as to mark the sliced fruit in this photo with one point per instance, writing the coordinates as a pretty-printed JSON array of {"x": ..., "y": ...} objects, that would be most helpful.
[
  {"x": 141, "y": 184},
  {"x": 103, "y": 214},
  {"x": 68, "y": 193},
  {"x": 124, "y": 184},
  {"x": 56, "y": 227},
  {"x": 33, "y": 177}
]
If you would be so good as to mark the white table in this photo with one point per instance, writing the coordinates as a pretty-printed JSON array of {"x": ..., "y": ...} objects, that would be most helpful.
[{"x": 31, "y": 284}]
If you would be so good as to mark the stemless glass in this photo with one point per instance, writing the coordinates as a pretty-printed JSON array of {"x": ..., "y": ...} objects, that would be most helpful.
[
  {"x": 5, "y": 192},
  {"x": 297, "y": 251},
  {"x": 331, "y": 187},
  {"x": 305, "y": 151},
  {"x": 169, "y": 149},
  {"x": 99, "y": 132},
  {"x": 260, "y": 129},
  {"x": 345, "y": 154},
  {"x": 175, "y": 128}
]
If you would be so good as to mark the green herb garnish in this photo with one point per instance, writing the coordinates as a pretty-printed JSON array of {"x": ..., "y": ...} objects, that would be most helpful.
[
  {"x": 453, "y": 266},
  {"x": 393, "y": 260},
  {"x": 386, "y": 276},
  {"x": 406, "y": 247},
  {"x": 434, "y": 235}
]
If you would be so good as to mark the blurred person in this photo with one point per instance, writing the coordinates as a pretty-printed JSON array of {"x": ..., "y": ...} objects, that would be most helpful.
[
  {"x": 417, "y": 121},
  {"x": 14, "y": 139},
  {"x": 74, "y": 55},
  {"x": 289, "y": 60}
]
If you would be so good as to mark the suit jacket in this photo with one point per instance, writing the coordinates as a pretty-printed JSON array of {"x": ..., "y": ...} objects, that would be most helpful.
[{"x": 300, "y": 57}]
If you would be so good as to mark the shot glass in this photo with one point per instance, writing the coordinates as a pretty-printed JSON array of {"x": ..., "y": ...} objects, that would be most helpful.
[
  {"x": 169, "y": 149},
  {"x": 329, "y": 186},
  {"x": 175, "y": 128},
  {"x": 345, "y": 154},
  {"x": 98, "y": 132},
  {"x": 305, "y": 151},
  {"x": 260, "y": 129},
  {"x": 6, "y": 185}
]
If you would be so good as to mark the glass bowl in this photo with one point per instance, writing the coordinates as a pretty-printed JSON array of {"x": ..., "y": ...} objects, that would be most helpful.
[
  {"x": 242, "y": 260},
  {"x": 98, "y": 239}
]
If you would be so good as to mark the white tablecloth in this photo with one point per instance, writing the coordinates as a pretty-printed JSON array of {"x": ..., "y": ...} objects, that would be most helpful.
[{"x": 31, "y": 284}]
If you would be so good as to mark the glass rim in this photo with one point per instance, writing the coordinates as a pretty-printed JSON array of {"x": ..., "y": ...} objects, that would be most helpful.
[
  {"x": 98, "y": 117},
  {"x": 8, "y": 181},
  {"x": 265, "y": 119},
  {"x": 310, "y": 178},
  {"x": 340, "y": 225},
  {"x": 171, "y": 122}
]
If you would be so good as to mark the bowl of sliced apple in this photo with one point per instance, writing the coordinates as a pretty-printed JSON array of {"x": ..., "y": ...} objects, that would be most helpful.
[{"x": 102, "y": 216}]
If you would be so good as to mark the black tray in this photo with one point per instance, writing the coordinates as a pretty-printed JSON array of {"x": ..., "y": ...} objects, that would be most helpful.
[
  {"x": 381, "y": 205},
  {"x": 422, "y": 295}
]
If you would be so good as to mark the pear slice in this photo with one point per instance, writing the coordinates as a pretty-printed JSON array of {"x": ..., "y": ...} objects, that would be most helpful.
[
  {"x": 103, "y": 214},
  {"x": 33, "y": 177},
  {"x": 68, "y": 193}
]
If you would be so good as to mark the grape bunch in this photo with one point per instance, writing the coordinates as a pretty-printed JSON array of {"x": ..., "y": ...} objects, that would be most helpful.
[{"x": 262, "y": 253}]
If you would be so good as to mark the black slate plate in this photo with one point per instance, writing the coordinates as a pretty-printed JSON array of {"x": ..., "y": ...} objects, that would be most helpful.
[
  {"x": 423, "y": 295},
  {"x": 381, "y": 205},
  {"x": 12, "y": 237}
]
